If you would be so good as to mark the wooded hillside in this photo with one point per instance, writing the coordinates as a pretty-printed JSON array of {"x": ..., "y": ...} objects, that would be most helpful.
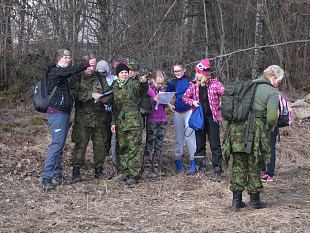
[{"x": 157, "y": 33}]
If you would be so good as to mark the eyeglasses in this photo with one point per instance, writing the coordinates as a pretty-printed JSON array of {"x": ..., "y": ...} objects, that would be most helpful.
[{"x": 177, "y": 71}]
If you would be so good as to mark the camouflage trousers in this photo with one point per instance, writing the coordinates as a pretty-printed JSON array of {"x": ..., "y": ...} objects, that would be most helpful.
[
  {"x": 81, "y": 135},
  {"x": 129, "y": 159},
  {"x": 155, "y": 135},
  {"x": 245, "y": 174}
]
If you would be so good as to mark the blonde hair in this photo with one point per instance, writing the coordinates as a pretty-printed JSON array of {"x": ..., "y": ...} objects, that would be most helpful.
[
  {"x": 158, "y": 73},
  {"x": 274, "y": 70},
  {"x": 201, "y": 79}
]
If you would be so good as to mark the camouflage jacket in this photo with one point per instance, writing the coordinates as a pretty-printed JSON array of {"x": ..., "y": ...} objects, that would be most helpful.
[
  {"x": 234, "y": 141},
  {"x": 236, "y": 137},
  {"x": 87, "y": 112},
  {"x": 125, "y": 104}
]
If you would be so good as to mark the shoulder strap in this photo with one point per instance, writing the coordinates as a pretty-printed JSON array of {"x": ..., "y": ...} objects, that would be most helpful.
[
  {"x": 44, "y": 81},
  {"x": 103, "y": 81},
  {"x": 174, "y": 84},
  {"x": 262, "y": 82},
  {"x": 130, "y": 88}
]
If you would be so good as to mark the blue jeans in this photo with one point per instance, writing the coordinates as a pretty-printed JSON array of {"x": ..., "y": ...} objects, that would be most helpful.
[{"x": 59, "y": 126}]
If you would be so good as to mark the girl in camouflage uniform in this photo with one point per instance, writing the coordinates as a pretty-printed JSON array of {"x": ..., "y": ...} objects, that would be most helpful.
[{"x": 127, "y": 123}]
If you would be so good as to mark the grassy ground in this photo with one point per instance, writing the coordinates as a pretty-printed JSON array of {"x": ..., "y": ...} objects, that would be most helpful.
[{"x": 175, "y": 203}]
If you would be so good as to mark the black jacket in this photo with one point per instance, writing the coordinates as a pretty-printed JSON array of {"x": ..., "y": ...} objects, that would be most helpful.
[{"x": 62, "y": 99}]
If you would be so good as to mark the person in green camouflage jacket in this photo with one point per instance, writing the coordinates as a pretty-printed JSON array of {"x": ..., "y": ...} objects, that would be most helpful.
[
  {"x": 89, "y": 122},
  {"x": 246, "y": 168},
  {"x": 127, "y": 123}
]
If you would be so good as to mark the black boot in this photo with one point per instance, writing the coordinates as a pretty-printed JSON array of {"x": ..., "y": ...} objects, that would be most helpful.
[
  {"x": 76, "y": 175},
  {"x": 100, "y": 175},
  {"x": 201, "y": 164},
  {"x": 255, "y": 202},
  {"x": 47, "y": 185},
  {"x": 131, "y": 180},
  {"x": 60, "y": 180},
  {"x": 237, "y": 200},
  {"x": 217, "y": 174}
]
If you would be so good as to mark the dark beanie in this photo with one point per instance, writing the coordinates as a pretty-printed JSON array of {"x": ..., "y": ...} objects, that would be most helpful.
[{"x": 120, "y": 68}]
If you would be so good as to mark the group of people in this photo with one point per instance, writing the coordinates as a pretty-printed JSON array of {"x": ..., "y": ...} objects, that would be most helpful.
[{"x": 118, "y": 116}]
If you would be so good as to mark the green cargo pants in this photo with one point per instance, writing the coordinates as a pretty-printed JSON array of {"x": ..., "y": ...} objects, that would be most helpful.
[{"x": 245, "y": 174}]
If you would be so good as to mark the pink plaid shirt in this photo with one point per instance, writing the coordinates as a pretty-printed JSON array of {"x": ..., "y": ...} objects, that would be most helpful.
[{"x": 215, "y": 90}]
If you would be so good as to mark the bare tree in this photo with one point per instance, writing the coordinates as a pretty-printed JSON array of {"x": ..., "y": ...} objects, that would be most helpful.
[
  {"x": 157, "y": 33},
  {"x": 5, "y": 44},
  {"x": 259, "y": 25}
]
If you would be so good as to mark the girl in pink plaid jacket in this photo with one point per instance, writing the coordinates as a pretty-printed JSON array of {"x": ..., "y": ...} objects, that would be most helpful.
[{"x": 207, "y": 91}]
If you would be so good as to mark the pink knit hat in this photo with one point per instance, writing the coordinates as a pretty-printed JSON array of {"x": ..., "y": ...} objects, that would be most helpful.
[{"x": 203, "y": 67}]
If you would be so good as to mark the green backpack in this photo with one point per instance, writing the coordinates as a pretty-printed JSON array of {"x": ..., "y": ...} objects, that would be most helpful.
[{"x": 237, "y": 100}]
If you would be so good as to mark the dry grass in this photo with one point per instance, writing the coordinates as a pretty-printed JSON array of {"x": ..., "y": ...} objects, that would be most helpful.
[{"x": 176, "y": 203}]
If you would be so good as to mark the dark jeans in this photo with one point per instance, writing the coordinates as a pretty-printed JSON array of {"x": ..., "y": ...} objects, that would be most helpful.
[
  {"x": 59, "y": 125},
  {"x": 272, "y": 165},
  {"x": 212, "y": 129}
]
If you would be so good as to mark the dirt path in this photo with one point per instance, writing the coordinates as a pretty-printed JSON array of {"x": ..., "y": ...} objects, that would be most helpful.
[{"x": 176, "y": 203}]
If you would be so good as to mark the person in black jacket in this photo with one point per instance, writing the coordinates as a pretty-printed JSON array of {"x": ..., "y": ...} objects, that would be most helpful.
[{"x": 58, "y": 114}]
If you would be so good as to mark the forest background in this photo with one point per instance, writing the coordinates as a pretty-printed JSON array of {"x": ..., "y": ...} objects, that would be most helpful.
[
  {"x": 242, "y": 37},
  {"x": 157, "y": 33}
]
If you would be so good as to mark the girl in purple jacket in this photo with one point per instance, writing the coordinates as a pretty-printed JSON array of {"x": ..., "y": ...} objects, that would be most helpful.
[{"x": 155, "y": 129}]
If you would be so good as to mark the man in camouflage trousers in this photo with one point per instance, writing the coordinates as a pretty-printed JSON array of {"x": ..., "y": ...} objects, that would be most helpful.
[
  {"x": 246, "y": 168},
  {"x": 127, "y": 124},
  {"x": 89, "y": 122}
]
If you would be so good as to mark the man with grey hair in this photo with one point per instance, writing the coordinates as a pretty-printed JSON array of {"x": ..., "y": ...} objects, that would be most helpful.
[{"x": 246, "y": 168}]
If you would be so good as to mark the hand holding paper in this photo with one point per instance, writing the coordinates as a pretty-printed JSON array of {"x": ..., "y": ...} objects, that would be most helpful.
[
  {"x": 164, "y": 98},
  {"x": 98, "y": 96}
]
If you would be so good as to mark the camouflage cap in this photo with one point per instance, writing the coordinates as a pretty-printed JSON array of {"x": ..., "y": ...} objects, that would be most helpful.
[
  {"x": 144, "y": 71},
  {"x": 133, "y": 65}
]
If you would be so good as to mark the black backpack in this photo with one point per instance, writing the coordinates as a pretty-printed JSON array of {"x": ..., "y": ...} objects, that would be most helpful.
[
  {"x": 237, "y": 100},
  {"x": 41, "y": 98}
]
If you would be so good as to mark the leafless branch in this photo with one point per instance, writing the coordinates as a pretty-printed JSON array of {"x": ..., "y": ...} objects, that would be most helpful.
[{"x": 257, "y": 47}]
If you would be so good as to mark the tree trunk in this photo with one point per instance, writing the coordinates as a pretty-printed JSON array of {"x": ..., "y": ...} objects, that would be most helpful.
[
  {"x": 206, "y": 28},
  {"x": 259, "y": 25},
  {"x": 5, "y": 44}
]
